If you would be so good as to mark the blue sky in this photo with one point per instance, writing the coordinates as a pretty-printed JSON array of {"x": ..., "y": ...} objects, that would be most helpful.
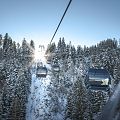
[{"x": 86, "y": 23}]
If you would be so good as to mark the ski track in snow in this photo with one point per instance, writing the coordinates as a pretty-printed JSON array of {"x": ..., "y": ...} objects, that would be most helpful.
[{"x": 37, "y": 97}]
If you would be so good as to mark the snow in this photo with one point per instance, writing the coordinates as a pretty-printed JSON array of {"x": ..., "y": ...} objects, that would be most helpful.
[
  {"x": 36, "y": 100},
  {"x": 43, "y": 98}
]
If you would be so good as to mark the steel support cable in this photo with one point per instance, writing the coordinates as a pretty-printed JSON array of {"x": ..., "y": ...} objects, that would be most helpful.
[{"x": 61, "y": 21}]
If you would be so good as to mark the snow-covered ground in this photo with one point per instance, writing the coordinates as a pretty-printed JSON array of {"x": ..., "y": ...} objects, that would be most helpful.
[
  {"x": 43, "y": 101},
  {"x": 37, "y": 98}
]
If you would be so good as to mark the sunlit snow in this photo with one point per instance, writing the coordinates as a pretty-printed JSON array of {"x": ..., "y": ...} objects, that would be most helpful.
[{"x": 36, "y": 100}]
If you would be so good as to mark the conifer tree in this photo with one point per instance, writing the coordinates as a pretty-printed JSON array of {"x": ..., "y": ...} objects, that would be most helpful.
[{"x": 78, "y": 105}]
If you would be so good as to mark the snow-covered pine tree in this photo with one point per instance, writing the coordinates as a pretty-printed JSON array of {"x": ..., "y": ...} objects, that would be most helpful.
[
  {"x": 73, "y": 54},
  {"x": 79, "y": 55},
  {"x": 78, "y": 104},
  {"x": 117, "y": 73},
  {"x": 32, "y": 44},
  {"x": 97, "y": 99},
  {"x": 16, "y": 85},
  {"x": 63, "y": 49}
]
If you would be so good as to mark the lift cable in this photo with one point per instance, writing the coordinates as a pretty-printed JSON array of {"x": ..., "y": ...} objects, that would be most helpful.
[{"x": 60, "y": 21}]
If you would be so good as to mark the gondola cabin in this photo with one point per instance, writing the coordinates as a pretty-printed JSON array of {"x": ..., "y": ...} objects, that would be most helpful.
[
  {"x": 98, "y": 79},
  {"x": 48, "y": 61},
  {"x": 41, "y": 71},
  {"x": 39, "y": 64},
  {"x": 56, "y": 68}
]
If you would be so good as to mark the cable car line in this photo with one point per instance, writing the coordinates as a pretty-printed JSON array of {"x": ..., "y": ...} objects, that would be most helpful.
[{"x": 60, "y": 21}]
